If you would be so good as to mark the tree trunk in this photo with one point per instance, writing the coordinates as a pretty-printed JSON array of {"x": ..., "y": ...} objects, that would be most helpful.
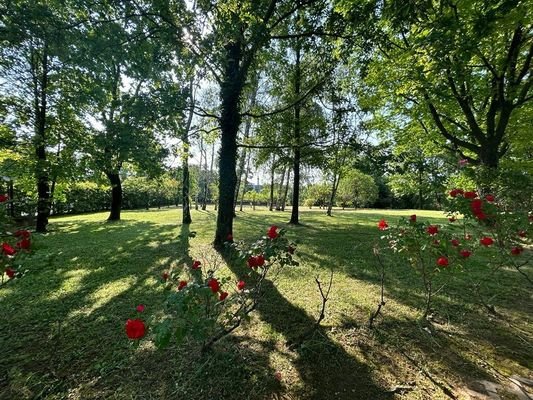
[
  {"x": 272, "y": 176},
  {"x": 284, "y": 201},
  {"x": 334, "y": 187},
  {"x": 116, "y": 196},
  {"x": 243, "y": 159},
  {"x": 185, "y": 191},
  {"x": 489, "y": 156},
  {"x": 203, "y": 190},
  {"x": 420, "y": 189},
  {"x": 186, "y": 213},
  {"x": 211, "y": 168},
  {"x": 230, "y": 119},
  {"x": 11, "y": 194},
  {"x": 280, "y": 191},
  {"x": 297, "y": 133},
  {"x": 52, "y": 191},
  {"x": 41, "y": 169},
  {"x": 245, "y": 180}
]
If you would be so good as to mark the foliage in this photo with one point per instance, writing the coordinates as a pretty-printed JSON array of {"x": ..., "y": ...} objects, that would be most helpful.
[
  {"x": 139, "y": 192},
  {"x": 486, "y": 231},
  {"x": 316, "y": 194},
  {"x": 14, "y": 248},
  {"x": 357, "y": 190},
  {"x": 206, "y": 307},
  {"x": 461, "y": 72}
]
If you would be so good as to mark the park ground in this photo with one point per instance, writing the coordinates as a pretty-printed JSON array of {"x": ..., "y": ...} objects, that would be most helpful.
[{"x": 62, "y": 324}]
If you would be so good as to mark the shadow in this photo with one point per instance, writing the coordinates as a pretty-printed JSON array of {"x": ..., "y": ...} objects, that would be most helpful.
[
  {"x": 459, "y": 314},
  {"x": 314, "y": 358},
  {"x": 464, "y": 338},
  {"x": 60, "y": 324}
]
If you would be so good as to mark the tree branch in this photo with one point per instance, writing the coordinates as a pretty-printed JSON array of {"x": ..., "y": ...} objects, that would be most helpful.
[
  {"x": 454, "y": 139},
  {"x": 287, "y": 107},
  {"x": 463, "y": 103}
]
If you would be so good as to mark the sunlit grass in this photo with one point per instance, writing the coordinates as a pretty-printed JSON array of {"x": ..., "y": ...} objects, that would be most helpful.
[{"x": 61, "y": 325}]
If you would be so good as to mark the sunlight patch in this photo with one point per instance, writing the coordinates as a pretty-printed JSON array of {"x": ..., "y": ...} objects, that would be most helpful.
[
  {"x": 104, "y": 294},
  {"x": 71, "y": 284}
]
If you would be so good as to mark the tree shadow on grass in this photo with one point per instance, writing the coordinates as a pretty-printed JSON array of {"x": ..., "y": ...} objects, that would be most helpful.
[
  {"x": 63, "y": 321},
  {"x": 471, "y": 330},
  {"x": 63, "y": 332},
  {"x": 465, "y": 335},
  {"x": 315, "y": 360}
]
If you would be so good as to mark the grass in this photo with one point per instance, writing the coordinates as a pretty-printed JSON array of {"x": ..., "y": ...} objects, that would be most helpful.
[{"x": 62, "y": 325}]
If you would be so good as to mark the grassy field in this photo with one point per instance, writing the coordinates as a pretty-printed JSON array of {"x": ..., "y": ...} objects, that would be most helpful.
[{"x": 62, "y": 324}]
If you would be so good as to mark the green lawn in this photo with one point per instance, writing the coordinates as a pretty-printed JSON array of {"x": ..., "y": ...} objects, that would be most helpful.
[{"x": 62, "y": 324}]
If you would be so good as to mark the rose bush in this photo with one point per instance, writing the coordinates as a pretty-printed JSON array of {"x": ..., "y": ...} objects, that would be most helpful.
[
  {"x": 14, "y": 246},
  {"x": 478, "y": 230},
  {"x": 205, "y": 305}
]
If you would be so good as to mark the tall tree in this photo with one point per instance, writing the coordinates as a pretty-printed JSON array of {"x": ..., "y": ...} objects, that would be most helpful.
[
  {"x": 34, "y": 47},
  {"x": 462, "y": 70},
  {"x": 130, "y": 94}
]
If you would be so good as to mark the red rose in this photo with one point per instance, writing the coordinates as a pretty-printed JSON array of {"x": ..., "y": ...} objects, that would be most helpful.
[
  {"x": 476, "y": 204},
  {"x": 229, "y": 238},
  {"x": 522, "y": 234},
  {"x": 135, "y": 328},
  {"x": 8, "y": 250},
  {"x": 214, "y": 285},
  {"x": 222, "y": 296},
  {"x": 196, "y": 264},
  {"x": 486, "y": 241},
  {"x": 272, "y": 234},
  {"x": 278, "y": 376},
  {"x": 454, "y": 242},
  {"x": 241, "y": 285},
  {"x": 455, "y": 192},
  {"x": 465, "y": 253},
  {"x": 516, "y": 251},
  {"x": 452, "y": 219},
  {"x": 470, "y": 195},
  {"x": 442, "y": 261},
  {"x": 259, "y": 260},
  {"x": 432, "y": 229},
  {"x": 182, "y": 284},
  {"x": 382, "y": 225},
  {"x": 412, "y": 218},
  {"x": 22, "y": 233},
  {"x": 489, "y": 198},
  {"x": 480, "y": 215},
  {"x": 3, "y": 198},
  {"x": 10, "y": 272},
  {"x": 165, "y": 276},
  {"x": 24, "y": 244},
  {"x": 251, "y": 262},
  {"x": 140, "y": 308}
]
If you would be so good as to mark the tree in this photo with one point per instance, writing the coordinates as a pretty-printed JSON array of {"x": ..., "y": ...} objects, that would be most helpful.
[
  {"x": 461, "y": 70},
  {"x": 238, "y": 31},
  {"x": 317, "y": 194},
  {"x": 36, "y": 75},
  {"x": 357, "y": 189},
  {"x": 130, "y": 92},
  {"x": 420, "y": 170}
]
